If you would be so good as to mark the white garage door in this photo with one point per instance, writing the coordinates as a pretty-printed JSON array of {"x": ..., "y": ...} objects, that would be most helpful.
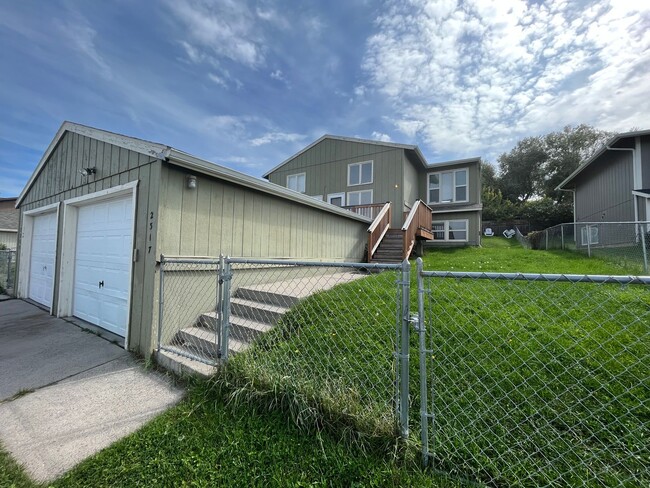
[
  {"x": 103, "y": 264},
  {"x": 41, "y": 266}
]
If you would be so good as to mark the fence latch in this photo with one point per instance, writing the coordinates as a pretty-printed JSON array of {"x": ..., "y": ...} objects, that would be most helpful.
[{"x": 415, "y": 321}]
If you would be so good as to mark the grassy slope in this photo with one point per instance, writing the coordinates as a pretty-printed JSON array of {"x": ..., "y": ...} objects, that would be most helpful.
[
  {"x": 539, "y": 381},
  {"x": 203, "y": 442}
]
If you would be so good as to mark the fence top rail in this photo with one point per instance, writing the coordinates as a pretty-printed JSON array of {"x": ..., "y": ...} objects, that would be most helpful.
[
  {"x": 621, "y": 280},
  {"x": 631, "y": 222},
  {"x": 286, "y": 262},
  {"x": 187, "y": 260}
]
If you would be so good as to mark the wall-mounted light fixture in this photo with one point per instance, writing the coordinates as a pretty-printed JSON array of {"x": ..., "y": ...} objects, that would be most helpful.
[
  {"x": 88, "y": 171},
  {"x": 191, "y": 181}
]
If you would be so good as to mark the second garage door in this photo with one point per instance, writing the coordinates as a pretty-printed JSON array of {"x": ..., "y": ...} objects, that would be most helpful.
[{"x": 103, "y": 264}]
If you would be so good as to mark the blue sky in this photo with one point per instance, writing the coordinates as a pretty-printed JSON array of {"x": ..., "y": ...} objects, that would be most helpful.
[{"x": 247, "y": 84}]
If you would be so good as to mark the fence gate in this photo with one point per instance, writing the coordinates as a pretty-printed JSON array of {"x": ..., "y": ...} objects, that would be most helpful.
[{"x": 535, "y": 380}]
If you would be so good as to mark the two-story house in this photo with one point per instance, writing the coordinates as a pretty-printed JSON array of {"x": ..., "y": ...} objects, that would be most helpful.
[
  {"x": 362, "y": 175},
  {"x": 613, "y": 186}
]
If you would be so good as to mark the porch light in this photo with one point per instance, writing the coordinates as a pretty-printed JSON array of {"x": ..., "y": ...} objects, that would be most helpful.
[{"x": 191, "y": 182}]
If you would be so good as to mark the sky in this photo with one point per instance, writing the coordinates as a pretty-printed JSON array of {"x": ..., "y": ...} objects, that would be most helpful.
[{"x": 247, "y": 84}]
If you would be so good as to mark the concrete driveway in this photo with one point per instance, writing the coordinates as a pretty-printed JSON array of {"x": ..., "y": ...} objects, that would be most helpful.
[{"x": 65, "y": 393}]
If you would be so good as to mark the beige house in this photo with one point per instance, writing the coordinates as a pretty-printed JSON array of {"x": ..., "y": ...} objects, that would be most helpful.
[
  {"x": 101, "y": 208},
  {"x": 8, "y": 223},
  {"x": 363, "y": 175}
]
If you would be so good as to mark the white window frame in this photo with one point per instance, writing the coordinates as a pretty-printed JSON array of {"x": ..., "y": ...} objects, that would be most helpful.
[
  {"x": 446, "y": 231},
  {"x": 359, "y": 192},
  {"x": 336, "y": 195},
  {"x": 453, "y": 185},
  {"x": 297, "y": 176},
  {"x": 587, "y": 230},
  {"x": 360, "y": 164}
]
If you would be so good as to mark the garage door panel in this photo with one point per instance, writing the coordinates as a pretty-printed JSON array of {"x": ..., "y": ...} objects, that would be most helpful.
[
  {"x": 104, "y": 252},
  {"x": 42, "y": 259}
]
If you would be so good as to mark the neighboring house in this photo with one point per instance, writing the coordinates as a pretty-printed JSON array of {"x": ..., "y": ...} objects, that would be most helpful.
[
  {"x": 8, "y": 222},
  {"x": 613, "y": 185},
  {"x": 362, "y": 175},
  {"x": 101, "y": 208}
]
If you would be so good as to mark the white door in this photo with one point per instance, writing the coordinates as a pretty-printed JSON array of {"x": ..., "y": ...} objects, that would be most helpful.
[
  {"x": 41, "y": 265},
  {"x": 103, "y": 253}
]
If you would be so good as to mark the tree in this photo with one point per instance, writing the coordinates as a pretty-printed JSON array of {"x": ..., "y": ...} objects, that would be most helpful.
[
  {"x": 489, "y": 179},
  {"x": 520, "y": 170},
  {"x": 565, "y": 150}
]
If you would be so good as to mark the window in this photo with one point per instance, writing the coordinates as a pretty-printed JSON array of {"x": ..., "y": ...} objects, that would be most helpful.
[
  {"x": 363, "y": 197},
  {"x": 450, "y": 230},
  {"x": 337, "y": 199},
  {"x": 589, "y": 235},
  {"x": 448, "y": 186},
  {"x": 360, "y": 173},
  {"x": 296, "y": 182}
]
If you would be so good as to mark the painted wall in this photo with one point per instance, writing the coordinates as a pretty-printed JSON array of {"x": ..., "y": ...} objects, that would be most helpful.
[
  {"x": 645, "y": 162},
  {"x": 326, "y": 168},
  {"x": 473, "y": 183},
  {"x": 604, "y": 190},
  {"x": 473, "y": 228},
  {"x": 411, "y": 181},
  {"x": 60, "y": 179},
  {"x": 222, "y": 218}
]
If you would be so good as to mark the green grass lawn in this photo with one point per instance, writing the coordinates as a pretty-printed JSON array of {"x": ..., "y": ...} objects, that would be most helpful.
[{"x": 535, "y": 383}]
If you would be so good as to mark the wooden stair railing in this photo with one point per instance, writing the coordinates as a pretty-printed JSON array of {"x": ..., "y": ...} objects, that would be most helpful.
[
  {"x": 378, "y": 229},
  {"x": 417, "y": 224}
]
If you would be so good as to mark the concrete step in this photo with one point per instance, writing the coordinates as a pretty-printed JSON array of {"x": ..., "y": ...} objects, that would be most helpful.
[
  {"x": 269, "y": 297},
  {"x": 259, "y": 312},
  {"x": 199, "y": 340},
  {"x": 174, "y": 360},
  {"x": 241, "y": 328}
]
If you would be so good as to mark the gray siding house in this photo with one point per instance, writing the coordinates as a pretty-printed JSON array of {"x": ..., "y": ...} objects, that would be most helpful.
[
  {"x": 8, "y": 223},
  {"x": 101, "y": 208},
  {"x": 362, "y": 175},
  {"x": 612, "y": 186}
]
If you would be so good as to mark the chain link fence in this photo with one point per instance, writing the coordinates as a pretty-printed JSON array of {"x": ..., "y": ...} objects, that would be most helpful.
[
  {"x": 7, "y": 272},
  {"x": 536, "y": 380},
  {"x": 325, "y": 337},
  {"x": 627, "y": 243},
  {"x": 514, "y": 379}
]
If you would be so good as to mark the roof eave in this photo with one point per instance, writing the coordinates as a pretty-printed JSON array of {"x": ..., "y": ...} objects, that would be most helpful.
[{"x": 193, "y": 163}]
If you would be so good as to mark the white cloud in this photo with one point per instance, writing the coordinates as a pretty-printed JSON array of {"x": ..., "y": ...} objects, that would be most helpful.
[
  {"x": 475, "y": 77},
  {"x": 270, "y": 137},
  {"x": 380, "y": 136},
  {"x": 81, "y": 35},
  {"x": 218, "y": 80},
  {"x": 225, "y": 29},
  {"x": 277, "y": 75}
]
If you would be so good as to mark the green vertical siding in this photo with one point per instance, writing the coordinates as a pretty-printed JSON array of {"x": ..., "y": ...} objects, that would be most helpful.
[
  {"x": 222, "y": 218},
  {"x": 326, "y": 168},
  {"x": 60, "y": 179}
]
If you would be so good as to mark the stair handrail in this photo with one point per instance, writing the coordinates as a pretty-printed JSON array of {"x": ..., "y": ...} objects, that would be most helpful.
[
  {"x": 418, "y": 218},
  {"x": 378, "y": 229}
]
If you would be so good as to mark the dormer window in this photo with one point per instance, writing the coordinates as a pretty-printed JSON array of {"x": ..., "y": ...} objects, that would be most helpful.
[{"x": 448, "y": 187}]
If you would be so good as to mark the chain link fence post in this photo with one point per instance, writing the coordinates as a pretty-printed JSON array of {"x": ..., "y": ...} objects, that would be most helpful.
[
  {"x": 404, "y": 350},
  {"x": 424, "y": 400},
  {"x": 161, "y": 300},
  {"x": 225, "y": 277}
]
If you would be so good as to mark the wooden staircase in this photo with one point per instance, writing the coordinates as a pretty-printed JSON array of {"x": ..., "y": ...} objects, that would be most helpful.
[{"x": 390, "y": 248}]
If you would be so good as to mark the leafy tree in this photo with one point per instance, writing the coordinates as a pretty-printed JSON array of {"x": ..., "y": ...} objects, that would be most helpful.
[
  {"x": 495, "y": 207},
  {"x": 489, "y": 179},
  {"x": 520, "y": 170},
  {"x": 565, "y": 150}
]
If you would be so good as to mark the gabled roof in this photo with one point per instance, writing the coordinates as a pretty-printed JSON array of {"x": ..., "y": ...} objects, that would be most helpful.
[
  {"x": 183, "y": 159},
  {"x": 132, "y": 143},
  {"x": 408, "y": 147},
  {"x": 599, "y": 152}
]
